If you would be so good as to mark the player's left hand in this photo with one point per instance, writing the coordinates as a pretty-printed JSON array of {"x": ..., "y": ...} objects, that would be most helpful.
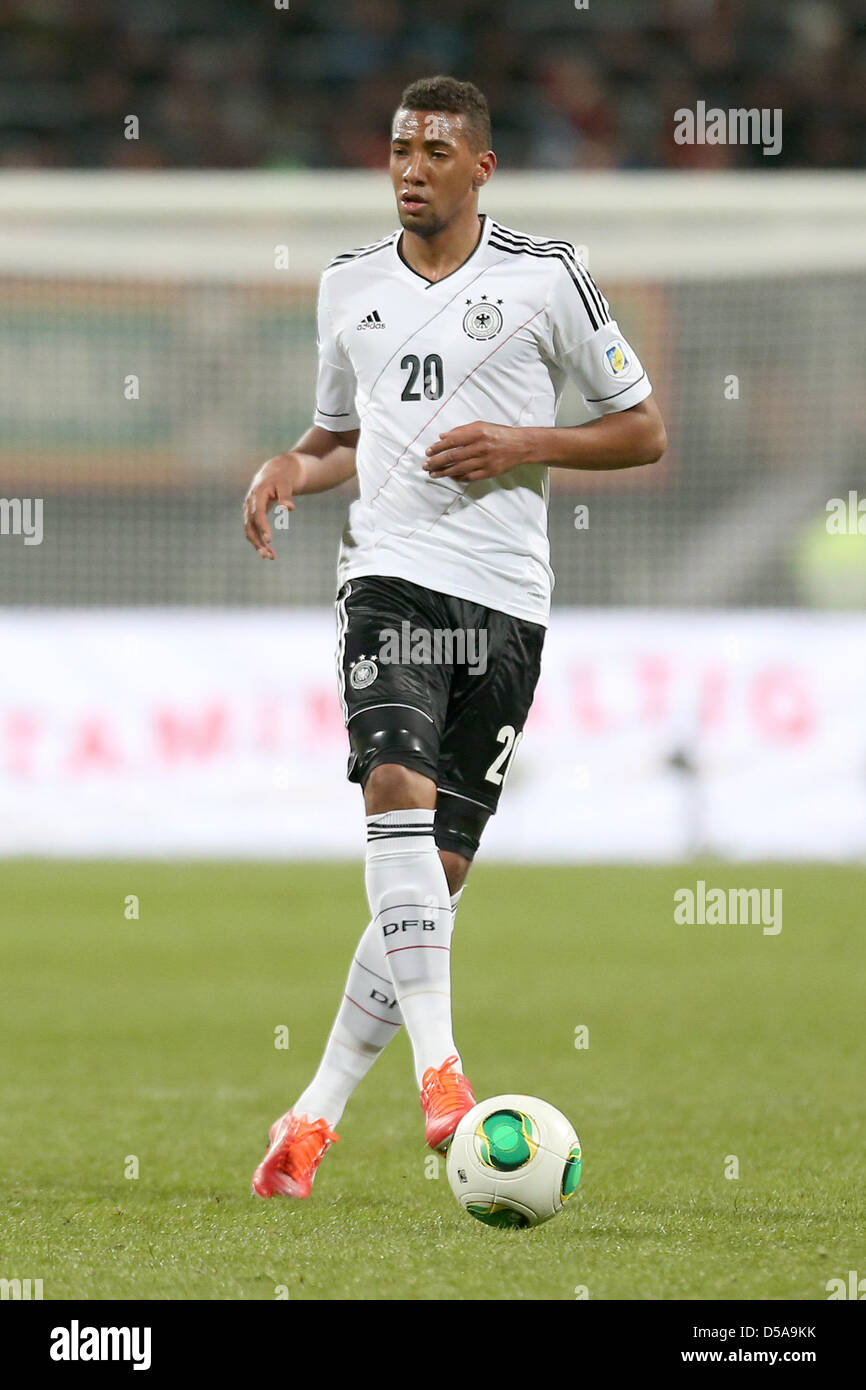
[{"x": 471, "y": 453}]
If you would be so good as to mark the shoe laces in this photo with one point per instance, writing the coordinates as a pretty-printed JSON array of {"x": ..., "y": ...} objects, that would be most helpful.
[
  {"x": 305, "y": 1142},
  {"x": 442, "y": 1081}
]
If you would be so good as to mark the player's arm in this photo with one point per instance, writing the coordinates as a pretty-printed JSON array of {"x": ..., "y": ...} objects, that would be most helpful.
[
  {"x": 481, "y": 450},
  {"x": 322, "y": 459},
  {"x": 578, "y": 334},
  {"x": 626, "y": 439}
]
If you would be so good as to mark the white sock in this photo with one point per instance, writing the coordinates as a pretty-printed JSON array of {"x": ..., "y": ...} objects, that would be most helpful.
[
  {"x": 411, "y": 908},
  {"x": 367, "y": 1019}
]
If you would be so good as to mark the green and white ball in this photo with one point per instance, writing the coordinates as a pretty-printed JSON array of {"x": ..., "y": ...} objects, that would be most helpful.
[{"x": 514, "y": 1161}]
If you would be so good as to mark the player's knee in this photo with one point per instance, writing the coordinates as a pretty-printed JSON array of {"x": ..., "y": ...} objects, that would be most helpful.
[
  {"x": 392, "y": 787},
  {"x": 456, "y": 868},
  {"x": 458, "y": 828},
  {"x": 392, "y": 744}
]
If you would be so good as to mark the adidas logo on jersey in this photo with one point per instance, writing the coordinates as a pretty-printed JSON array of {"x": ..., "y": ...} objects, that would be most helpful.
[{"x": 372, "y": 321}]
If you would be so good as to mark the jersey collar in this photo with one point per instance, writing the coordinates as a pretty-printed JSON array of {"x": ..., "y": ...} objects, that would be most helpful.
[{"x": 486, "y": 224}]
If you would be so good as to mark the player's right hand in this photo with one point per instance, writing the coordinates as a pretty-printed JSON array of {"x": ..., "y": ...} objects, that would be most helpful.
[{"x": 273, "y": 485}]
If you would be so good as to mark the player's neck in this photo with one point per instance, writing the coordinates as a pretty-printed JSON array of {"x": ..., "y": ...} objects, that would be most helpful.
[{"x": 440, "y": 255}]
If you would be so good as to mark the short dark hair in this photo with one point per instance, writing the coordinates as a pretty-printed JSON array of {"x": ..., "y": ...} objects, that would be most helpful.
[{"x": 460, "y": 98}]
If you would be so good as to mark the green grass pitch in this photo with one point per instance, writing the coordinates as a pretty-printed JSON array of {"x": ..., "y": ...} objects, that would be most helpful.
[{"x": 154, "y": 1038}]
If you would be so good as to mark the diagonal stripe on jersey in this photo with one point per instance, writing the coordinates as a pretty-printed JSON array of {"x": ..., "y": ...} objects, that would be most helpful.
[
  {"x": 501, "y": 344},
  {"x": 427, "y": 372}
]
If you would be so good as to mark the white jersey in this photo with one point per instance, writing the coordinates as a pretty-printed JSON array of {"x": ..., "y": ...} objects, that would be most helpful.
[{"x": 405, "y": 359}]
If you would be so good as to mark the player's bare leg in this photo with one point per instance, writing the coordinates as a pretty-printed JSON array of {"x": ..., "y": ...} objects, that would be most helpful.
[
  {"x": 456, "y": 868},
  {"x": 410, "y": 901}
]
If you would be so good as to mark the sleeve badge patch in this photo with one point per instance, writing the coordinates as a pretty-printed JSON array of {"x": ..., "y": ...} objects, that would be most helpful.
[{"x": 616, "y": 359}]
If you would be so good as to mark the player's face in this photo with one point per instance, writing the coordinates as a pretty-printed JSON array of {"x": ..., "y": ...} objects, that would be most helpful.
[{"x": 433, "y": 169}]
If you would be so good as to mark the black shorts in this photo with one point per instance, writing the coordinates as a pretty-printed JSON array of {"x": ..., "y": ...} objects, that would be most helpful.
[{"x": 438, "y": 684}]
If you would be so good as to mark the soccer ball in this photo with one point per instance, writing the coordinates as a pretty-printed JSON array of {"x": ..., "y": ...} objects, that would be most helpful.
[{"x": 513, "y": 1161}]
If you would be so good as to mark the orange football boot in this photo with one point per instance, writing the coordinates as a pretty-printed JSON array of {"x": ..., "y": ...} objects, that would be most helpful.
[
  {"x": 445, "y": 1098},
  {"x": 297, "y": 1147}
]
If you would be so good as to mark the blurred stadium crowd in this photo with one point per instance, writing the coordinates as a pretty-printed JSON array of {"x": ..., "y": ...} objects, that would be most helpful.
[{"x": 241, "y": 83}]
